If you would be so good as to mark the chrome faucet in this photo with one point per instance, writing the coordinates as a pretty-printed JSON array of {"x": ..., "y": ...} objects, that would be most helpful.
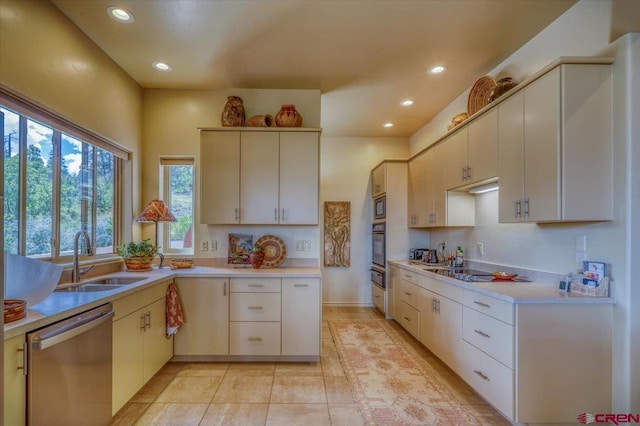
[{"x": 76, "y": 272}]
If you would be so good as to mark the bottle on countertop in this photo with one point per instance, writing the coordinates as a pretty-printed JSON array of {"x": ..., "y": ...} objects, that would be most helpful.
[{"x": 459, "y": 257}]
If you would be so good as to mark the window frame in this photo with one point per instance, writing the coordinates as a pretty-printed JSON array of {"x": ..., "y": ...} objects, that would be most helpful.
[
  {"x": 164, "y": 234},
  {"x": 28, "y": 110}
]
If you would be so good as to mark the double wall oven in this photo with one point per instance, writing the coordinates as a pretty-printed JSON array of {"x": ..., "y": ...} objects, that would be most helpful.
[{"x": 378, "y": 260}]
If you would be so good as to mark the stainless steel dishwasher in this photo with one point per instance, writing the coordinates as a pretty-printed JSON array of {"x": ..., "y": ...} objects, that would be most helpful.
[{"x": 69, "y": 370}]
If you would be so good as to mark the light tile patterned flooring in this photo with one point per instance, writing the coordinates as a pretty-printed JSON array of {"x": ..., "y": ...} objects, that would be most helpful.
[{"x": 273, "y": 393}]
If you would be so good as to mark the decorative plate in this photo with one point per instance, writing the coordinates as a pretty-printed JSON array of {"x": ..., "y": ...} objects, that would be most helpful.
[
  {"x": 275, "y": 250},
  {"x": 480, "y": 94}
]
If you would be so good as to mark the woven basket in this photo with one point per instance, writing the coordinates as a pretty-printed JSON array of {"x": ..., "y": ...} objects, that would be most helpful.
[
  {"x": 136, "y": 264},
  {"x": 480, "y": 94}
]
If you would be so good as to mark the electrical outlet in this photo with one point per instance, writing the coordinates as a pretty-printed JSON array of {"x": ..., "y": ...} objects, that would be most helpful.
[
  {"x": 306, "y": 245},
  {"x": 214, "y": 245},
  {"x": 299, "y": 245},
  {"x": 204, "y": 245},
  {"x": 480, "y": 247}
]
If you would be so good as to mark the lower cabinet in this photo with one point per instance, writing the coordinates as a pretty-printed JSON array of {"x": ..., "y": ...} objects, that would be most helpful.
[
  {"x": 15, "y": 382},
  {"x": 301, "y": 316},
  {"x": 205, "y": 303},
  {"x": 377, "y": 297},
  {"x": 140, "y": 345}
]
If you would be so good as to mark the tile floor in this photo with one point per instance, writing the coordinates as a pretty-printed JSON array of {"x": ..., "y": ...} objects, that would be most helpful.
[{"x": 273, "y": 393}]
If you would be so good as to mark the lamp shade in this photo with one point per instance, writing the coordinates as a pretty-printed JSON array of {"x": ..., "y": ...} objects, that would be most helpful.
[{"x": 156, "y": 211}]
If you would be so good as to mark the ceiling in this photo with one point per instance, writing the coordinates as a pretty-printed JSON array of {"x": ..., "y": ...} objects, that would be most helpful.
[{"x": 364, "y": 56}]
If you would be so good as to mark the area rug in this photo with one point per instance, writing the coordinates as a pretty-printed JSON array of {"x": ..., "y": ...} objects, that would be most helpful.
[{"x": 390, "y": 382}]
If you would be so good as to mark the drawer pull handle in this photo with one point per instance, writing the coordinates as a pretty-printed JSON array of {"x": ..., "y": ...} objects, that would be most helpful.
[
  {"x": 407, "y": 276},
  {"x": 301, "y": 285},
  {"x": 483, "y": 334},
  {"x": 24, "y": 358},
  {"x": 255, "y": 307},
  {"x": 408, "y": 319},
  {"x": 408, "y": 294},
  {"x": 255, "y": 339},
  {"x": 256, "y": 285},
  {"x": 484, "y": 376},
  {"x": 484, "y": 305}
]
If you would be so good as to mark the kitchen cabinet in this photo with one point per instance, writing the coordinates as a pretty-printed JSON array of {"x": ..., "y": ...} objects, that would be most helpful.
[
  {"x": 205, "y": 302},
  {"x": 259, "y": 177},
  {"x": 15, "y": 381},
  {"x": 393, "y": 292},
  {"x": 378, "y": 181},
  {"x": 472, "y": 152},
  {"x": 430, "y": 204},
  {"x": 441, "y": 321},
  {"x": 301, "y": 316},
  {"x": 555, "y": 147},
  {"x": 140, "y": 346},
  {"x": 409, "y": 314},
  {"x": 377, "y": 296}
]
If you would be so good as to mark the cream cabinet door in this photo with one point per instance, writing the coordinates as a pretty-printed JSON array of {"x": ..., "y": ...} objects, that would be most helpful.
[
  {"x": 456, "y": 158},
  {"x": 511, "y": 158},
  {"x": 205, "y": 303},
  {"x": 449, "y": 326},
  {"x": 542, "y": 149},
  {"x": 378, "y": 180},
  {"x": 483, "y": 148},
  {"x": 128, "y": 358},
  {"x": 436, "y": 186},
  {"x": 15, "y": 382},
  {"x": 259, "y": 178},
  {"x": 155, "y": 339},
  {"x": 301, "y": 316},
  {"x": 219, "y": 177},
  {"x": 299, "y": 182},
  {"x": 418, "y": 209},
  {"x": 428, "y": 320}
]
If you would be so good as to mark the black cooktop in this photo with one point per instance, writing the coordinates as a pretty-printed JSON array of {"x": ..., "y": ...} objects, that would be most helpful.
[{"x": 472, "y": 275}]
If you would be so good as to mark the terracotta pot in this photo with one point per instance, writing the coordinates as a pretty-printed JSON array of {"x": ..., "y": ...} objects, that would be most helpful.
[
  {"x": 288, "y": 117},
  {"x": 261, "y": 121},
  {"x": 256, "y": 258},
  {"x": 138, "y": 263},
  {"x": 233, "y": 112},
  {"x": 502, "y": 86}
]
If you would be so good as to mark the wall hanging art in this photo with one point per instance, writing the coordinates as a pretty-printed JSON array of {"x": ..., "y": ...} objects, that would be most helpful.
[{"x": 337, "y": 233}]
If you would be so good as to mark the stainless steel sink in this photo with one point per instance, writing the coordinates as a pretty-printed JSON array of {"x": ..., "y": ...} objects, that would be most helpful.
[
  {"x": 116, "y": 280},
  {"x": 102, "y": 284},
  {"x": 90, "y": 287}
]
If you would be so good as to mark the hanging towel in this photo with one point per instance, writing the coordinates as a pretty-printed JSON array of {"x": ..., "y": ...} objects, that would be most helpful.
[{"x": 173, "y": 310}]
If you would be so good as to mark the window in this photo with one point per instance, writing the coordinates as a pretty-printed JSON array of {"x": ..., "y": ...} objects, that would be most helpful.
[
  {"x": 177, "y": 177},
  {"x": 56, "y": 183}
]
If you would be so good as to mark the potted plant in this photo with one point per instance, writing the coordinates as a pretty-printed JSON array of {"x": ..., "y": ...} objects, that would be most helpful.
[
  {"x": 138, "y": 256},
  {"x": 256, "y": 257}
]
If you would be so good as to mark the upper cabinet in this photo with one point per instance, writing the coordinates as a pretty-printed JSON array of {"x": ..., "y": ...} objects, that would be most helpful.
[
  {"x": 259, "y": 177},
  {"x": 378, "y": 180},
  {"x": 472, "y": 152},
  {"x": 555, "y": 147}
]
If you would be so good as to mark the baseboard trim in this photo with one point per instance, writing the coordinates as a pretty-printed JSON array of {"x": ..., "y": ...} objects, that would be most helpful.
[{"x": 348, "y": 304}]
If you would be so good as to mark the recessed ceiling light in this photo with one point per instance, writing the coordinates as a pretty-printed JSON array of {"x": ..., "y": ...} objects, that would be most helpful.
[
  {"x": 162, "y": 66},
  {"x": 437, "y": 70},
  {"x": 389, "y": 124},
  {"x": 120, "y": 15},
  {"x": 408, "y": 102}
]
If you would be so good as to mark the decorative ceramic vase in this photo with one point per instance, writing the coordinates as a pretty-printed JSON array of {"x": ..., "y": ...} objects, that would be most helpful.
[
  {"x": 502, "y": 86},
  {"x": 261, "y": 121},
  {"x": 233, "y": 112},
  {"x": 138, "y": 263},
  {"x": 288, "y": 117},
  {"x": 256, "y": 258}
]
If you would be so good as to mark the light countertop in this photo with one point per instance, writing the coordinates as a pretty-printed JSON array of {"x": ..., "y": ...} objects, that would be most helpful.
[
  {"x": 61, "y": 305},
  {"x": 514, "y": 292}
]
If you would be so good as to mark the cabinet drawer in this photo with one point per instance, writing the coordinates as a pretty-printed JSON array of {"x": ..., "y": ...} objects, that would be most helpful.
[
  {"x": 126, "y": 305},
  {"x": 504, "y": 311},
  {"x": 493, "y": 337},
  {"x": 411, "y": 276},
  {"x": 447, "y": 290},
  {"x": 377, "y": 295},
  {"x": 254, "y": 338},
  {"x": 489, "y": 378},
  {"x": 254, "y": 307},
  {"x": 410, "y": 293},
  {"x": 409, "y": 318},
  {"x": 255, "y": 285}
]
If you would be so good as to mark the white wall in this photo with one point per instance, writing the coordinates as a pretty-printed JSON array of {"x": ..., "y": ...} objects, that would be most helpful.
[
  {"x": 345, "y": 166},
  {"x": 582, "y": 31}
]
